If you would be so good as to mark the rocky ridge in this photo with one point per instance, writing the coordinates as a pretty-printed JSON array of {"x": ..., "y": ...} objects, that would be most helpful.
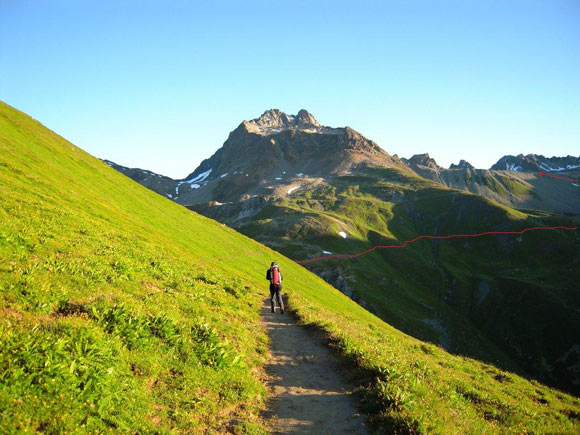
[{"x": 536, "y": 163}]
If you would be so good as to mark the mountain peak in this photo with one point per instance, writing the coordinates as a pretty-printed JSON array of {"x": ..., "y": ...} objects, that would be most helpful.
[
  {"x": 274, "y": 121},
  {"x": 273, "y": 118},
  {"x": 423, "y": 160},
  {"x": 463, "y": 164},
  {"x": 305, "y": 119}
]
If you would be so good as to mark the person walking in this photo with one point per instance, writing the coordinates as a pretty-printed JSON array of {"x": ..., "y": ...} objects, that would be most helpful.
[{"x": 274, "y": 275}]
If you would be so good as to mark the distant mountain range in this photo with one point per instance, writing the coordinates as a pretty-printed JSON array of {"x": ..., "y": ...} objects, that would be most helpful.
[
  {"x": 307, "y": 190},
  {"x": 276, "y": 153},
  {"x": 534, "y": 163}
]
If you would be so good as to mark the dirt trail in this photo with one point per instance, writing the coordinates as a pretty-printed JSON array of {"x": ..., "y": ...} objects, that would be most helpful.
[{"x": 309, "y": 396}]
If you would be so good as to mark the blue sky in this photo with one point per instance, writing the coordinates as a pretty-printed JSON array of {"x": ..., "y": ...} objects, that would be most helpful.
[{"x": 160, "y": 84}]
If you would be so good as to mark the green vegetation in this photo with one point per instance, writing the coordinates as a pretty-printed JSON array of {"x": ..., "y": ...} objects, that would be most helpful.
[
  {"x": 124, "y": 312},
  {"x": 119, "y": 309},
  {"x": 514, "y": 186},
  {"x": 418, "y": 387},
  {"x": 493, "y": 298}
]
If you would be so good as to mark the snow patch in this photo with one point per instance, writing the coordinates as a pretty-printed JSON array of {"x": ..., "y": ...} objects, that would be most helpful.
[
  {"x": 293, "y": 189},
  {"x": 201, "y": 177},
  {"x": 558, "y": 169},
  {"x": 300, "y": 174},
  {"x": 193, "y": 181},
  {"x": 278, "y": 178},
  {"x": 326, "y": 252},
  {"x": 342, "y": 234},
  {"x": 575, "y": 184},
  {"x": 512, "y": 167},
  {"x": 224, "y": 175}
]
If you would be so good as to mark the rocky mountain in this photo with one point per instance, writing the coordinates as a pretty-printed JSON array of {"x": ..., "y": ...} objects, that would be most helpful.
[
  {"x": 308, "y": 190},
  {"x": 423, "y": 160},
  {"x": 275, "y": 154},
  {"x": 423, "y": 165},
  {"x": 536, "y": 163},
  {"x": 269, "y": 156},
  {"x": 277, "y": 149},
  {"x": 462, "y": 165}
]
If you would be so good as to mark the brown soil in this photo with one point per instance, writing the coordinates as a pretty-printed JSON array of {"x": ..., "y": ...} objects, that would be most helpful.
[{"x": 308, "y": 393}]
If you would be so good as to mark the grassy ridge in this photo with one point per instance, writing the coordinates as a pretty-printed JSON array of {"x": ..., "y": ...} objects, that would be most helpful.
[
  {"x": 116, "y": 310},
  {"x": 122, "y": 311}
]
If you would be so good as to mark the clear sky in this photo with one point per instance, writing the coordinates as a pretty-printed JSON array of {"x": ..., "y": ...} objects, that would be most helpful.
[{"x": 160, "y": 84}]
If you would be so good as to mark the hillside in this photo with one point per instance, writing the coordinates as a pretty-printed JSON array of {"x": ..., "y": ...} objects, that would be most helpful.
[
  {"x": 354, "y": 187},
  {"x": 123, "y": 311},
  {"x": 494, "y": 298}
]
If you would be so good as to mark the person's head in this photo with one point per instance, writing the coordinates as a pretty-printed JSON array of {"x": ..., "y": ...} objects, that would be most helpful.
[{"x": 273, "y": 264}]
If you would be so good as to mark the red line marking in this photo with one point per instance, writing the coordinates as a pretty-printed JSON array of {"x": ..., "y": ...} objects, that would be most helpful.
[
  {"x": 545, "y": 174},
  {"x": 452, "y": 236}
]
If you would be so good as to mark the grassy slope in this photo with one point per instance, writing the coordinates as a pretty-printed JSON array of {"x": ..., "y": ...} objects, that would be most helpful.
[
  {"x": 122, "y": 310},
  {"x": 508, "y": 300}
]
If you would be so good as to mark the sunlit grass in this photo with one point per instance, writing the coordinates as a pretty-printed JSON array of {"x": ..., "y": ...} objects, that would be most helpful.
[{"x": 122, "y": 311}]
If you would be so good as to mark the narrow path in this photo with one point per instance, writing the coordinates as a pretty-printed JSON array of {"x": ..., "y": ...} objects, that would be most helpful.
[{"x": 309, "y": 396}]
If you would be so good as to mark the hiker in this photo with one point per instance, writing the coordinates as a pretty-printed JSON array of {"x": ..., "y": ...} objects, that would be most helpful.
[{"x": 274, "y": 275}]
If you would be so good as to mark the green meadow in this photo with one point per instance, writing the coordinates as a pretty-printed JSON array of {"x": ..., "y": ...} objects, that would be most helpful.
[{"x": 124, "y": 312}]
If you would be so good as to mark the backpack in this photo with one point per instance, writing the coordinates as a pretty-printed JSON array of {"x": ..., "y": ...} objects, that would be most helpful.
[{"x": 275, "y": 275}]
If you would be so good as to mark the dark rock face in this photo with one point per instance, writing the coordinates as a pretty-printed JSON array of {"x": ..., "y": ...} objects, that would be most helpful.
[
  {"x": 338, "y": 280},
  {"x": 158, "y": 183},
  {"x": 536, "y": 163}
]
